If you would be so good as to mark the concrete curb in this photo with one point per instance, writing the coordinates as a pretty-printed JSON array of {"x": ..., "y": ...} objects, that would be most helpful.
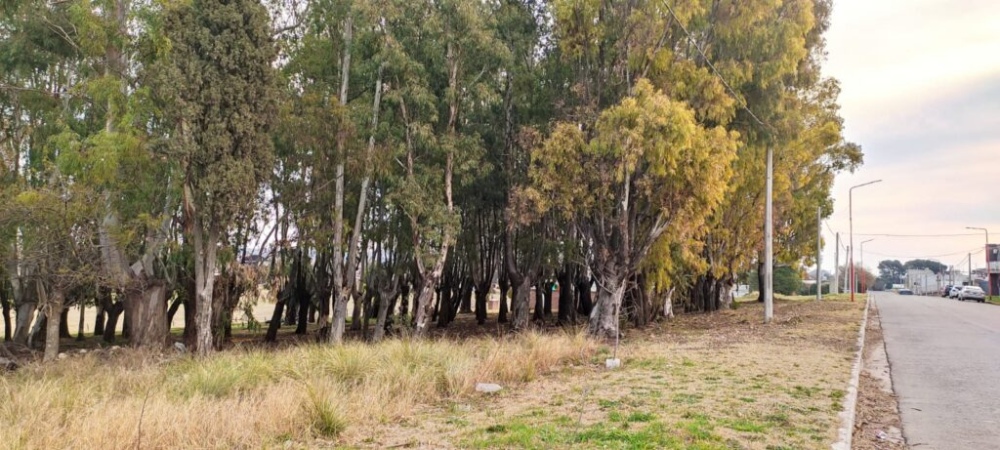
[{"x": 846, "y": 431}]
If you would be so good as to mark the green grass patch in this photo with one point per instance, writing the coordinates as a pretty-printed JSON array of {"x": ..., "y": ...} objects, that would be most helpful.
[{"x": 746, "y": 425}]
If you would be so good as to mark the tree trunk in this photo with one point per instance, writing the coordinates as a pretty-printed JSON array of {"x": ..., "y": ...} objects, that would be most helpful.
[
  {"x": 275, "y": 324},
  {"x": 190, "y": 322},
  {"x": 404, "y": 299},
  {"x": 668, "y": 304},
  {"x": 53, "y": 315},
  {"x": 99, "y": 316},
  {"x": 466, "y": 306},
  {"x": 760, "y": 282},
  {"x": 726, "y": 293},
  {"x": 110, "y": 327},
  {"x": 425, "y": 300},
  {"x": 521, "y": 304},
  {"x": 147, "y": 310},
  {"x": 539, "y": 301},
  {"x": 80, "y": 323},
  {"x": 482, "y": 300},
  {"x": 7, "y": 335},
  {"x": 604, "y": 317},
  {"x": 566, "y": 297},
  {"x": 548, "y": 285},
  {"x": 37, "y": 328},
  {"x": 504, "y": 289},
  {"x": 445, "y": 302},
  {"x": 205, "y": 262},
  {"x": 291, "y": 310},
  {"x": 586, "y": 301},
  {"x": 304, "y": 301},
  {"x": 25, "y": 315},
  {"x": 356, "y": 308},
  {"x": 64, "y": 324},
  {"x": 386, "y": 295}
]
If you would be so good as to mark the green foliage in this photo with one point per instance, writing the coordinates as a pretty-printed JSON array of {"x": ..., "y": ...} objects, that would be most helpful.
[
  {"x": 891, "y": 271},
  {"x": 217, "y": 87},
  {"x": 787, "y": 281},
  {"x": 933, "y": 266}
]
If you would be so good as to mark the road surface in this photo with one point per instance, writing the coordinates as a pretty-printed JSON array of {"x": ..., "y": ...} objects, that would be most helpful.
[{"x": 945, "y": 361}]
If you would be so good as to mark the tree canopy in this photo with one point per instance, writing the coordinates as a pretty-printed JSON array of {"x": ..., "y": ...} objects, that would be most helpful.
[{"x": 405, "y": 162}]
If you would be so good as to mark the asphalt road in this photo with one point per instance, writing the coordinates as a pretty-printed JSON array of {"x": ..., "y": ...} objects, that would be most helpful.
[{"x": 945, "y": 361}]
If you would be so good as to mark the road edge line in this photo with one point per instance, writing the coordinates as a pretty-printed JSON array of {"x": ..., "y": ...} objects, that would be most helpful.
[{"x": 845, "y": 433}]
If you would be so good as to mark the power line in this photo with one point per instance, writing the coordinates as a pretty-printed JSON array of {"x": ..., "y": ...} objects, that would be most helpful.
[
  {"x": 834, "y": 233},
  {"x": 925, "y": 256},
  {"x": 712, "y": 66},
  {"x": 916, "y": 235}
]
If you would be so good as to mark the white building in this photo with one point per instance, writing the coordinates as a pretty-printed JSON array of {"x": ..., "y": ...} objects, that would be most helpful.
[{"x": 925, "y": 281}]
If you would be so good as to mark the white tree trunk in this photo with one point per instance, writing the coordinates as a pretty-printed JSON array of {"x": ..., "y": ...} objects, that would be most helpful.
[
  {"x": 604, "y": 317},
  {"x": 341, "y": 294},
  {"x": 425, "y": 299},
  {"x": 22, "y": 327},
  {"x": 726, "y": 295},
  {"x": 205, "y": 262},
  {"x": 668, "y": 304}
]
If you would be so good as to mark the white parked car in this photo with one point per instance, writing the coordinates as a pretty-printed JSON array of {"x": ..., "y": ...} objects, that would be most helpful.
[
  {"x": 954, "y": 291},
  {"x": 972, "y": 293}
]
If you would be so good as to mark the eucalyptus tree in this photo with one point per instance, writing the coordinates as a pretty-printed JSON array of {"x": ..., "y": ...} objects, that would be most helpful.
[
  {"x": 33, "y": 100},
  {"x": 650, "y": 167},
  {"x": 770, "y": 53},
  {"x": 446, "y": 54},
  {"x": 218, "y": 93}
]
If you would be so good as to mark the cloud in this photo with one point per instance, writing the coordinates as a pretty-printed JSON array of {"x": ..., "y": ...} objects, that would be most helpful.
[{"x": 921, "y": 93}]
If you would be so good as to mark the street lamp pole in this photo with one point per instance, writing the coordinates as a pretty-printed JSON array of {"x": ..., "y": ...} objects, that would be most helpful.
[
  {"x": 850, "y": 218},
  {"x": 819, "y": 253},
  {"x": 986, "y": 250},
  {"x": 863, "y": 261},
  {"x": 769, "y": 241}
]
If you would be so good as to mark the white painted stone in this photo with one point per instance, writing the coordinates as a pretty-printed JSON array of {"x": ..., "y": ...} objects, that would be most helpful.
[{"x": 488, "y": 388}]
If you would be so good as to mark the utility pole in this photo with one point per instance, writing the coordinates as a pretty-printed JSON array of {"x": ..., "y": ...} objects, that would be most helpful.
[
  {"x": 970, "y": 269},
  {"x": 850, "y": 219},
  {"x": 768, "y": 242},
  {"x": 835, "y": 286},
  {"x": 847, "y": 277},
  {"x": 819, "y": 254}
]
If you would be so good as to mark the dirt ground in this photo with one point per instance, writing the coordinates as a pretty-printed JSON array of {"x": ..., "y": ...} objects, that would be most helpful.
[
  {"x": 877, "y": 425},
  {"x": 720, "y": 380}
]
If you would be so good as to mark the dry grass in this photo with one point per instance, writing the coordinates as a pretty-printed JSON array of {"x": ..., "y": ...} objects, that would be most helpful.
[
  {"x": 308, "y": 396},
  {"x": 715, "y": 381},
  {"x": 702, "y": 381}
]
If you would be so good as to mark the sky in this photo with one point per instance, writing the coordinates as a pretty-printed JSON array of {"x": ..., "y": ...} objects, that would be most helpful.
[{"x": 920, "y": 84}]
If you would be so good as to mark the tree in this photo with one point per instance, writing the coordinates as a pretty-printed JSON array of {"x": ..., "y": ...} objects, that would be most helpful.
[
  {"x": 918, "y": 264},
  {"x": 217, "y": 89},
  {"x": 891, "y": 271},
  {"x": 787, "y": 280},
  {"x": 648, "y": 167}
]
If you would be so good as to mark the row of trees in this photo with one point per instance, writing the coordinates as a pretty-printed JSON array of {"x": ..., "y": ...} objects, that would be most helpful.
[
  {"x": 892, "y": 271},
  {"x": 406, "y": 155}
]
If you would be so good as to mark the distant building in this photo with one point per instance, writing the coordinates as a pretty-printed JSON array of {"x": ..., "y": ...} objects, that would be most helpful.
[{"x": 925, "y": 281}]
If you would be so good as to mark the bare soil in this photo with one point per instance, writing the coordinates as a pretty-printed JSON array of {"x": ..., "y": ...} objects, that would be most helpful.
[{"x": 877, "y": 425}]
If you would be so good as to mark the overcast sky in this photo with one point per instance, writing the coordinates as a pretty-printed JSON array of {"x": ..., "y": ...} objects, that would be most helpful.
[{"x": 920, "y": 93}]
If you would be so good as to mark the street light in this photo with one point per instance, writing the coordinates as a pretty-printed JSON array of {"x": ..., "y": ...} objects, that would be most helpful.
[
  {"x": 850, "y": 218},
  {"x": 989, "y": 279},
  {"x": 863, "y": 259}
]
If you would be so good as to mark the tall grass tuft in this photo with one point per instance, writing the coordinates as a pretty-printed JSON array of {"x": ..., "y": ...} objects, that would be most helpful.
[{"x": 258, "y": 399}]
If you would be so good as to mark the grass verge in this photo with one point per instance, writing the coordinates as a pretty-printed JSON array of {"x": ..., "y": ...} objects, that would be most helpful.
[
  {"x": 310, "y": 396},
  {"x": 701, "y": 381},
  {"x": 717, "y": 381}
]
